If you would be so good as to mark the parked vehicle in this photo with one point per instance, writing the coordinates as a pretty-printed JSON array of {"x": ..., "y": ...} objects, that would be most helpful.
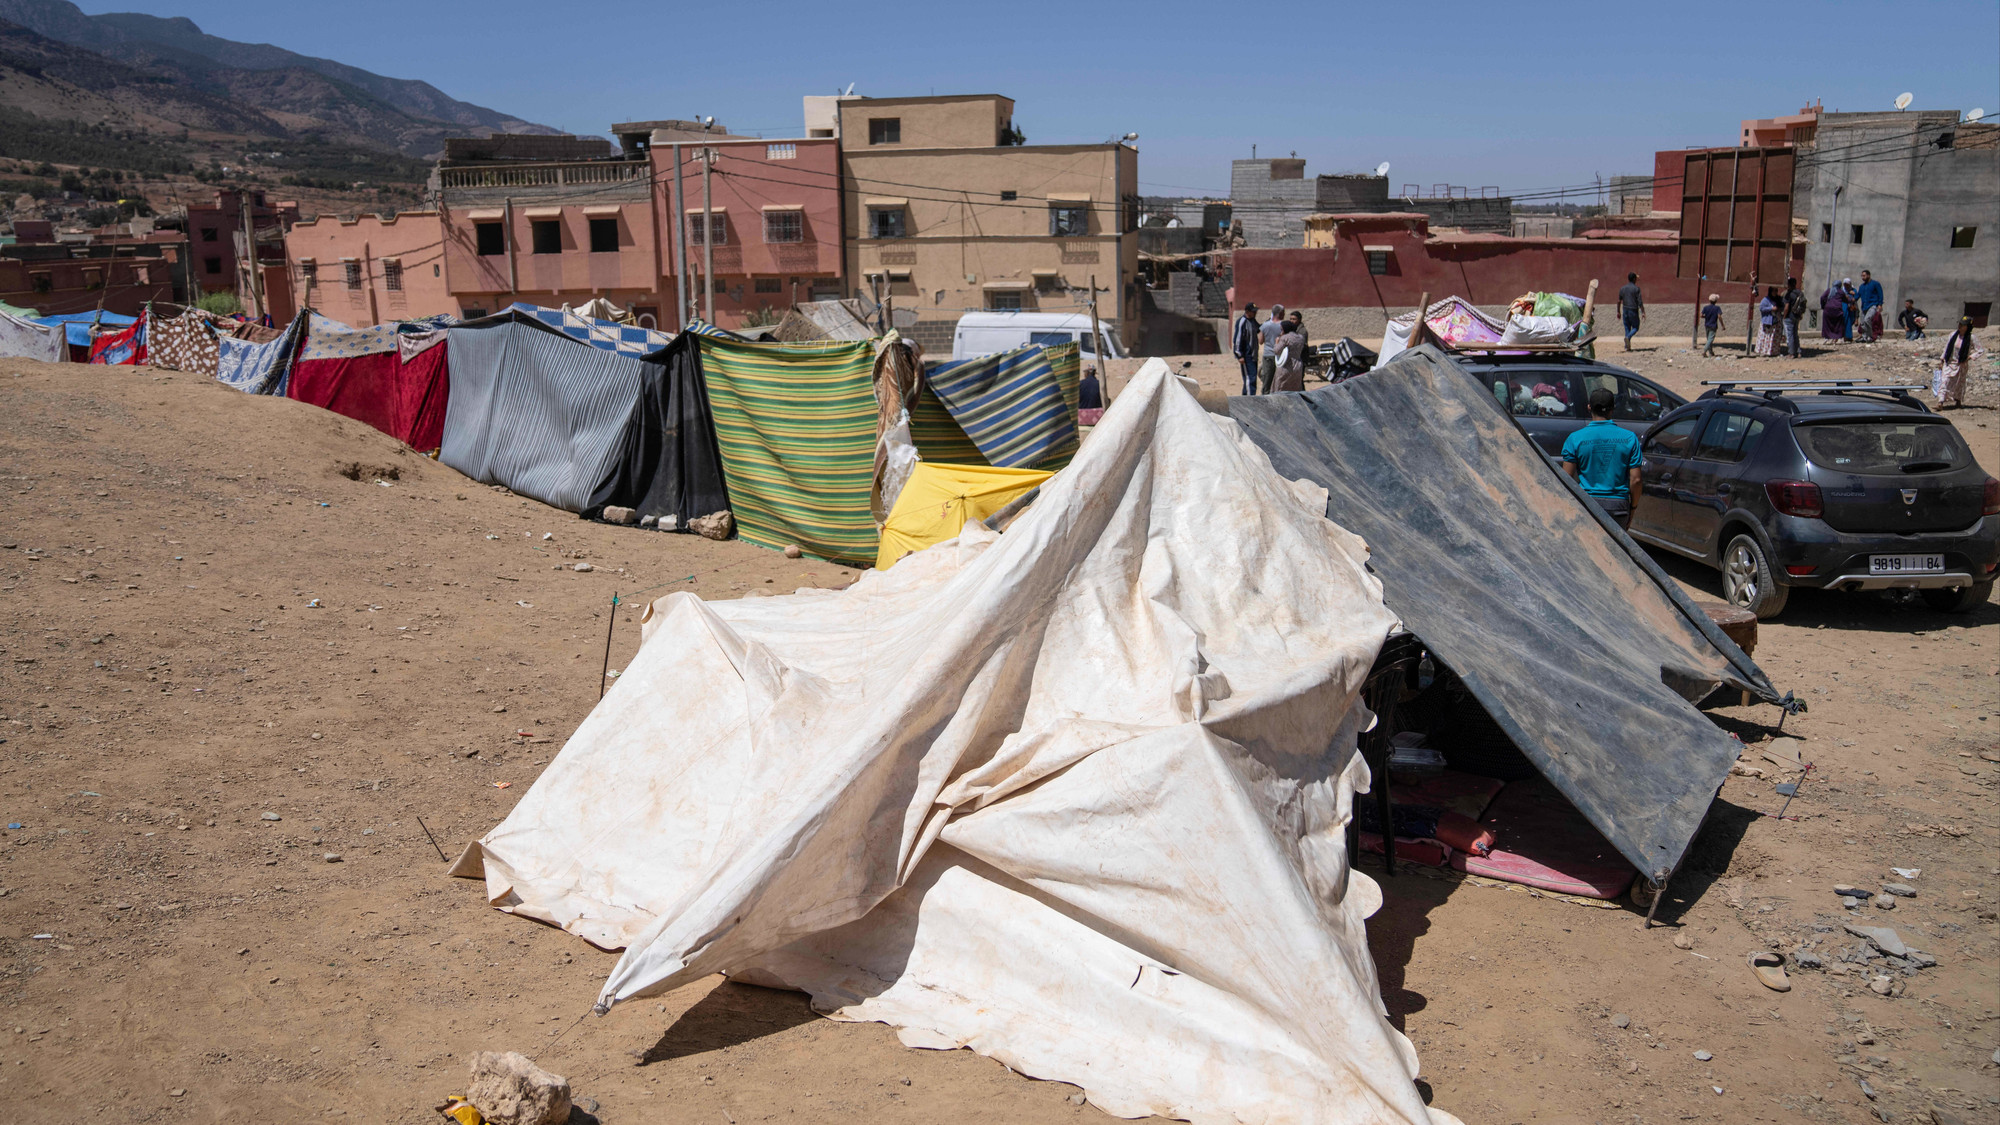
[
  {"x": 983, "y": 333},
  {"x": 1546, "y": 393},
  {"x": 1840, "y": 487}
]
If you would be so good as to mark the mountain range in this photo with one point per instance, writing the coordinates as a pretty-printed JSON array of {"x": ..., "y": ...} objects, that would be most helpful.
[{"x": 57, "y": 62}]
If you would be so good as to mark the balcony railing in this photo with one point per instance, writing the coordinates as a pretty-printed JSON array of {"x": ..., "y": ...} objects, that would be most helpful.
[{"x": 547, "y": 175}]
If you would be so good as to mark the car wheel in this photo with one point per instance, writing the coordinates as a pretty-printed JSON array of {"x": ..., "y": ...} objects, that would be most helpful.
[
  {"x": 1965, "y": 599},
  {"x": 1747, "y": 580}
]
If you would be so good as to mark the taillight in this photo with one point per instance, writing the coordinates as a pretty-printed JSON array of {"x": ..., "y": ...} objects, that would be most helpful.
[
  {"x": 1801, "y": 571},
  {"x": 1991, "y": 506},
  {"x": 1795, "y": 497}
]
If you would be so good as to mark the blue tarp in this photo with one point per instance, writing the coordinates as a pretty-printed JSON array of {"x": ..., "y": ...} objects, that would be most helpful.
[{"x": 76, "y": 326}]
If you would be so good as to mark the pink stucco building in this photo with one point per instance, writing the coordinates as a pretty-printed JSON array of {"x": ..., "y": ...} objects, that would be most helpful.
[
  {"x": 775, "y": 215},
  {"x": 370, "y": 269}
]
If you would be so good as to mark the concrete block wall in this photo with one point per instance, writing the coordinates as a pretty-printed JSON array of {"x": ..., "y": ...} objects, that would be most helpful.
[{"x": 1272, "y": 211}]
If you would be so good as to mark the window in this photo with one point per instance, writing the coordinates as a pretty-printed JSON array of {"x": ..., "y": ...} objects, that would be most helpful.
[
  {"x": 1068, "y": 220},
  {"x": 1673, "y": 439},
  {"x": 308, "y": 270},
  {"x": 352, "y": 269},
  {"x": 211, "y": 265},
  {"x": 471, "y": 313},
  {"x": 781, "y": 152},
  {"x": 1729, "y": 436},
  {"x": 142, "y": 275},
  {"x": 1979, "y": 311},
  {"x": 1048, "y": 283},
  {"x": 1378, "y": 261},
  {"x": 208, "y": 234},
  {"x": 768, "y": 285},
  {"x": 1826, "y": 232},
  {"x": 392, "y": 274},
  {"x": 1538, "y": 394},
  {"x": 604, "y": 236},
  {"x": 1004, "y": 301},
  {"x": 1631, "y": 400},
  {"x": 93, "y": 279},
  {"x": 1884, "y": 448},
  {"x": 546, "y": 235},
  {"x": 1961, "y": 237},
  {"x": 784, "y": 226},
  {"x": 885, "y": 130},
  {"x": 719, "y": 223},
  {"x": 1007, "y": 196},
  {"x": 43, "y": 282},
  {"x": 885, "y": 222},
  {"x": 1854, "y": 234},
  {"x": 490, "y": 238}
]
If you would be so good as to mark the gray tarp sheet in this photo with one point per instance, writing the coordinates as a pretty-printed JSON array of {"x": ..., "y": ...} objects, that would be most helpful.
[
  {"x": 535, "y": 410},
  {"x": 1562, "y": 628}
]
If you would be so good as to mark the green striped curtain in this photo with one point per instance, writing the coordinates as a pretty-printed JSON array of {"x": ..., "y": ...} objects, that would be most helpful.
[
  {"x": 795, "y": 424},
  {"x": 939, "y": 438}
]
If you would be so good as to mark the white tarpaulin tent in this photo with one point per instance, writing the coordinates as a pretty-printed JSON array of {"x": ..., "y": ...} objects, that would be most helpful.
[{"x": 1073, "y": 796}]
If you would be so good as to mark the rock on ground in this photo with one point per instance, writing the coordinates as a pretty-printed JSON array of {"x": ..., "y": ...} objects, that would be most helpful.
[{"x": 511, "y": 1090}]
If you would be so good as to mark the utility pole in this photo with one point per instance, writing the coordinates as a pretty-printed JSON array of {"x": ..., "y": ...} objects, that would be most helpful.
[
  {"x": 707, "y": 237},
  {"x": 679, "y": 219},
  {"x": 250, "y": 249},
  {"x": 1097, "y": 340}
]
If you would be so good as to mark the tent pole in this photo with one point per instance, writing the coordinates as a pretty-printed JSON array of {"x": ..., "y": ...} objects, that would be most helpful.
[
  {"x": 604, "y": 673},
  {"x": 679, "y": 218}
]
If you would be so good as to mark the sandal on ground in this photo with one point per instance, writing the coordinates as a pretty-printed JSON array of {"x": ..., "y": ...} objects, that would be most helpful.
[{"x": 1770, "y": 970}]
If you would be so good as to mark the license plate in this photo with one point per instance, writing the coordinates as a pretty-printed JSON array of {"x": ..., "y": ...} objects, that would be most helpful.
[{"x": 1905, "y": 564}]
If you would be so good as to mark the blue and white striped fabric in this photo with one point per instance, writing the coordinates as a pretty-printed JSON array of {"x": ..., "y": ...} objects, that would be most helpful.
[
  {"x": 259, "y": 369},
  {"x": 1009, "y": 404},
  {"x": 534, "y": 409},
  {"x": 704, "y": 328},
  {"x": 625, "y": 339}
]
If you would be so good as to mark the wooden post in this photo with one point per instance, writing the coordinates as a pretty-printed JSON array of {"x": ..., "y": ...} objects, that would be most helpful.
[
  {"x": 1419, "y": 330},
  {"x": 1097, "y": 344},
  {"x": 1589, "y": 305}
]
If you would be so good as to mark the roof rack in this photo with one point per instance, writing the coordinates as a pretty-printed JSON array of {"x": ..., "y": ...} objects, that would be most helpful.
[{"x": 1773, "y": 390}]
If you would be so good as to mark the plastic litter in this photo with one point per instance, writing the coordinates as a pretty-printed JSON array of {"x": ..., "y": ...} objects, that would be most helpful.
[{"x": 464, "y": 1112}]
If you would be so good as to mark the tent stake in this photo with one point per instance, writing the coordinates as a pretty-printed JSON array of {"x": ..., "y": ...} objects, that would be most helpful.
[
  {"x": 604, "y": 673},
  {"x": 1659, "y": 893},
  {"x": 433, "y": 839}
]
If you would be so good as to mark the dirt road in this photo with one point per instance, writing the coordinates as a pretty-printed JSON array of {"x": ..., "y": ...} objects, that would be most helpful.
[{"x": 220, "y": 903}]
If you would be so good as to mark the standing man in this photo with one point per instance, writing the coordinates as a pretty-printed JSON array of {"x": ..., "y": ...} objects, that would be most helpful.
[
  {"x": 1711, "y": 321},
  {"x": 1795, "y": 311},
  {"x": 1911, "y": 320},
  {"x": 1604, "y": 458},
  {"x": 1267, "y": 364},
  {"x": 1631, "y": 306},
  {"x": 1869, "y": 298},
  {"x": 1243, "y": 345}
]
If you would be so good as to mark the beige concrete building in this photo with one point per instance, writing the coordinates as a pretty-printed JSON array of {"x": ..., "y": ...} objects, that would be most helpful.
[{"x": 946, "y": 212}]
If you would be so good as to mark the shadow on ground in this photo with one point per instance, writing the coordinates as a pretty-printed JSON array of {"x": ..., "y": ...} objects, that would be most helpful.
[
  {"x": 1881, "y": 611},
  {"x": 1407, "y": 902},
  {"x": 730, "y": 1014}
]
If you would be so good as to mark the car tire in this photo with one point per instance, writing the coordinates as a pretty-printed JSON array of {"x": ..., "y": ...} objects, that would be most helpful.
[
  {"x": 1964, "y": 599},
  {"x": 1747, "y": 580}
]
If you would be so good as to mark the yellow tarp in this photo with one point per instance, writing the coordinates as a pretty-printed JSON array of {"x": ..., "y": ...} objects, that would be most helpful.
[{"x": 938, "y": 500}]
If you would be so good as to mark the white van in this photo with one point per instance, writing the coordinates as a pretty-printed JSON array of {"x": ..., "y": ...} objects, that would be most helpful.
[{"x": 983, "y": 333}]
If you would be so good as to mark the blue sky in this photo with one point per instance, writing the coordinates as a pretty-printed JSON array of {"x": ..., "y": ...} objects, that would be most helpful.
[{"x": 1472, "y": 94}]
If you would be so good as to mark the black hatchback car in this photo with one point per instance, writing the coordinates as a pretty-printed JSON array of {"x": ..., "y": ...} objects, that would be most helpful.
[
  {"x": 1546, "y": 393},
  {"x": 1835, "y": 487}
]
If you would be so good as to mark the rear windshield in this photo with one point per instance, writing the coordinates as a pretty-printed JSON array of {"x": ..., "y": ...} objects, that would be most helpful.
[{"x": 1884, "y": 448}]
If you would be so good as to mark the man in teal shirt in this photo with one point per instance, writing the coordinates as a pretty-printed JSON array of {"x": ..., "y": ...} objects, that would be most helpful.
[{"x": 1604, "y": 458}]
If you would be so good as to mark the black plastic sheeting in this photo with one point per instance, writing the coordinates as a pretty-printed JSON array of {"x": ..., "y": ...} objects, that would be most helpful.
[
  {"x": 667, "y": 464},
  {"x": 1584, "y": 652}
]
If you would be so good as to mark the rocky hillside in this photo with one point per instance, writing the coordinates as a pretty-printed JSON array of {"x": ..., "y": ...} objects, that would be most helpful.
[{"x": 170, "y": 71}]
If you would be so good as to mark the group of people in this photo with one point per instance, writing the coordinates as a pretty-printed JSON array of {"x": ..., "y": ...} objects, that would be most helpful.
[
  {"x": 1849, "y": 313},
  {"x": 1272, "y": 353}
]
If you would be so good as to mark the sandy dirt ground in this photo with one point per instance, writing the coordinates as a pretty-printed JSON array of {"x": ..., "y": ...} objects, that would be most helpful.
[{"x": 325, "y": 637}]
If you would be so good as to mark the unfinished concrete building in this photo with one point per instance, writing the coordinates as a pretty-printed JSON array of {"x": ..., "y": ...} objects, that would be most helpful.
[{"x": 1272, "y": 198}]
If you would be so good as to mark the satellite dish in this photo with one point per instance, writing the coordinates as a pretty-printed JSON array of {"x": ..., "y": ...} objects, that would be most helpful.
[
  {"x": 1382, "y": 169},
  {"x": 1903, "y": 100},
  {"x": 1974, "y": 114}
]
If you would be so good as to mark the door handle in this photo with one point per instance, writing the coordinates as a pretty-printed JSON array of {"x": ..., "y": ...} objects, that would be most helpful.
[
  {"x": 1666, "y": 476},
  {"x": 1722, "y": 489}
]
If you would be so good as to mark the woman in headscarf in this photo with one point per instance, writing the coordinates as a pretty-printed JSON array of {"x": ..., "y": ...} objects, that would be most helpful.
[
  {"x": 1960, "y": 351},
  {"x": 1832, "y": 313},
  {"x": 1291, "y": 350},
  {"x": 1767, "y": 322}
]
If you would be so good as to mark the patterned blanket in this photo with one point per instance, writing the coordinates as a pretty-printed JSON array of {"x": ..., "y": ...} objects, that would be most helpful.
[
  {"x": 795, "y": 424},
  {"x": 1010, "y": 405}
]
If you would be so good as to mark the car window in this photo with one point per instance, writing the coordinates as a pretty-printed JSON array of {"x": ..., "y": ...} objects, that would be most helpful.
[
  {"x": 1536, "y": 394},
  {"x": 1049, "y": 339},
  {"x": 1884, "y": 448},
  {"x": 1729, "y": 437},
  {"x": 1672, "y": 439},
  {"x": 1631, "y": 399}
]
